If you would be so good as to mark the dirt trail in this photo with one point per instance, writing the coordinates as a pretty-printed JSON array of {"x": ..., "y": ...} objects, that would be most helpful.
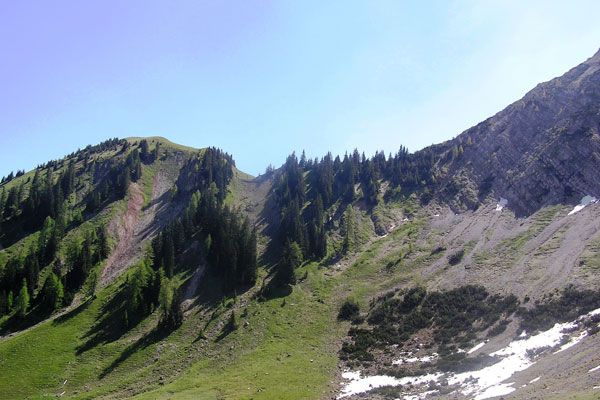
[
  {"x": 123, "y": 229},
  {"x": 133, "y": 228}
]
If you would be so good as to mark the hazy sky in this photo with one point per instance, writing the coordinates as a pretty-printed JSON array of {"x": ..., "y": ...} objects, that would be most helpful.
[{"x": 261, "y": 79}]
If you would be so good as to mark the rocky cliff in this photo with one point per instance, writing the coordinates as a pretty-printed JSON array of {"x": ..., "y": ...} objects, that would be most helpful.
[{"x": 543, "y": 149}]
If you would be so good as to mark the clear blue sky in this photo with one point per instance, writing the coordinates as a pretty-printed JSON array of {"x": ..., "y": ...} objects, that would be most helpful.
[{"x": 261, "y": 79}]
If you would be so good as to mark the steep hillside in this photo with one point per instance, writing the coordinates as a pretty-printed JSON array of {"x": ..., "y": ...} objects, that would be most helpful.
[
  {"x": 542, "y": 150},
  {"x": 139, "y": 268}
]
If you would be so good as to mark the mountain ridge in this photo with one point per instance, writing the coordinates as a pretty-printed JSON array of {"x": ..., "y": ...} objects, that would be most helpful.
[{"x": 143, "y": 268}]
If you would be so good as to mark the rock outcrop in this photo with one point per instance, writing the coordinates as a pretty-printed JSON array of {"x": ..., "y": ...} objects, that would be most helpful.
[{"x": 543, "y": 149}]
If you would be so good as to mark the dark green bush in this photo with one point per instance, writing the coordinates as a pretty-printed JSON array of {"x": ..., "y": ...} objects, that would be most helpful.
[
  {"x": 569, "y": 305},
  {"x": 454, "y": 316},
  {"x": 349, "y": 311},
  {"x": 456, "y": 257}
]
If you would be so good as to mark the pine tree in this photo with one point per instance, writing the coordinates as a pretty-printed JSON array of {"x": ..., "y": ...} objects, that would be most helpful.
[
  {"x": 32, "y": 267},
  {"x": 22, "y": 301},
  {"x": 156, "y": 151},
  {"x": 144, "y": 151},
  {"x": 348, "y": 229},
  {"x": 103, "y": 247},
  {"x": 292, "y": 259},
  {"x": 169, "y": 255},
  {"x": 165, "y": 297},
  {"x": 250, "y": 274},
  {"x": 10, "y": 301},
  {"x": 52, "y": 292},
  {"x": 3, "y": 303}
]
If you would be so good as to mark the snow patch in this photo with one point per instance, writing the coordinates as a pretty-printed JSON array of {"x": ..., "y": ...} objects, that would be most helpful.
[
  {"x": 501, "y": 204},
  {"x": 487, "y": 382},
  {"x": 572, "y": 342},
  {"x": 360, "y": 385},
  {"x": 595, "y": 369},
  {"x": 474, "y": 349},
  {"x": 595, "y": 312},
  {"x": 585, "y": 201},
  {"x": 350, "y": 375},
  {"x": 534, "y": 380},
  {"x": 496, "y": 390}
]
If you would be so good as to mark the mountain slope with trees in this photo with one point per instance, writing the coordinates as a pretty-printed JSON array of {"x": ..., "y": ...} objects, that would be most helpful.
[{"x": 139, "y": 267}]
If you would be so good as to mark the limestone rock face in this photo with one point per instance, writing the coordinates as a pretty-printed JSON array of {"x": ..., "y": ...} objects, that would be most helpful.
[{"x": 543, "y": 149}]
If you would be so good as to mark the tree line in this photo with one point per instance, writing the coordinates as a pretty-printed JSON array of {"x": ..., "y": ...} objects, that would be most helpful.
[
  {"x": 228, "y": 238},
  {"x": 22, "y": 274},
  {"x": 304, "y": 191}
]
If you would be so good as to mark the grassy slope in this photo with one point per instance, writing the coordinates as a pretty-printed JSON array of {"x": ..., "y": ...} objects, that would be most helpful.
[
  {"x": 285, "y": 348},
  {"x": 290, "y": 349}
]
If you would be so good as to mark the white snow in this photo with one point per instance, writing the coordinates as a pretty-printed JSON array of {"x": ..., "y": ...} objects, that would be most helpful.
[
  {"x": 496, "y": 390},
  {"x": 501, "y": 204},
  {"x": 474, "y": 349},
  {"x": 595, "y": 312},
  {"x": 585, "y": 201},
  {"x": 572, "y": 342},
  {"x": 523, "y": 334},
  {"x": 534, "y": 380},
  {"x": 351, "y": 375},
  {"x": 361, "y": 385},
  {"x": 487, "y": 382},
  {"x": 595, "y": 369}
]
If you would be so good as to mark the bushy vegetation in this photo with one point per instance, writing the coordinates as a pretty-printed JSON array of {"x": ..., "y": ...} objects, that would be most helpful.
[
  {"x": 349, "y": 310},
  {"x": 569, "y": 304},
  {"x": 456, "y": 257},
  {"x": 453, "y": 317}
]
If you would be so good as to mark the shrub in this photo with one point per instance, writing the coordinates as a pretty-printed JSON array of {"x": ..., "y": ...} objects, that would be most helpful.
[
  {"x": 456, "y": 257},
  {"x": 569, "y": 305},
  {"x": 437, "y": 250},
  {"x": 348, "y": 311},
  {"x": 454, "y": 317}
]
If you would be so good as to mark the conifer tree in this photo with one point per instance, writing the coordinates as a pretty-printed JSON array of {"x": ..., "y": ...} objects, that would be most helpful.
[
  {"x": 144, "y": 151},
  {"x": 292, "y": 259},
  {"x": 103, "y": 248},
  {"x": 165, "y": 297},
  {"x": 22, "y": 300},
  {"x": 52, "y": 292},
  {"x": 348, "y": 229}
]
